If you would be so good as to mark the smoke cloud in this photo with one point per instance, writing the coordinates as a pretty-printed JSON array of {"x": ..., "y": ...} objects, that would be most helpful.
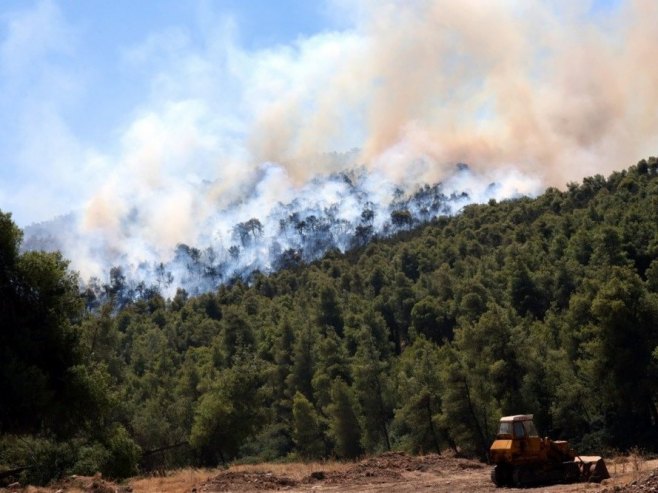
[{"x": 528, "y": 94}]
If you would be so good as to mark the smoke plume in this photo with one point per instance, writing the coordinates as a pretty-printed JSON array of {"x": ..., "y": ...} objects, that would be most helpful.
[{"x": 528, "y": 94}]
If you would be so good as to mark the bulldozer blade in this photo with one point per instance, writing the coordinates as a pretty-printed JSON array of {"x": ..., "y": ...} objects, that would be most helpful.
[{"x": 592, "y": 468}]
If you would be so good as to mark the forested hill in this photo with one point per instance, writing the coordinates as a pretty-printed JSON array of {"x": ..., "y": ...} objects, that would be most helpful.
[{"x": 419, "y": 342}]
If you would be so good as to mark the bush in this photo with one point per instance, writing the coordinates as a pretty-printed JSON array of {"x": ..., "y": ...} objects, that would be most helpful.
[
  {"x": 45, "y": 458},
  {"x": 124, "y": 455},
  {"x": 91, "y": 459}
]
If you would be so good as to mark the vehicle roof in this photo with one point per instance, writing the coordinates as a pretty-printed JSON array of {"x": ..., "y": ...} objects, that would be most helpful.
[{"x": 516, "y": 417}]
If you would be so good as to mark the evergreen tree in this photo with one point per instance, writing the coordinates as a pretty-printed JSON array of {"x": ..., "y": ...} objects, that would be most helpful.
[
  {"x": 301, "y": 375},
  {"x": 330, "y": 363},
  {"x": 372, "y": 387},
  {"x": 329, "y": 310},
  {"x": 307, "y": 433},
  {"x": 419, "y": 390},
  {"x": 343, "y": 423},
  {"x": 229, "y": 412},
  {"x": 43, "y": 381}
]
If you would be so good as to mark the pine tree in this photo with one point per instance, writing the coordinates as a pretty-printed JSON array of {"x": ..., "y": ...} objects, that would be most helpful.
[
  {"x": 419, "y": 391},
  {"x": 307, "y": 433},
  {"x": 372, "y": 386},
  {"x": 330, "y": 363},
  {"x": 343, "y": 423},
  {"x": 330, "y": 313},
  {"x": 299, "y": 379}
]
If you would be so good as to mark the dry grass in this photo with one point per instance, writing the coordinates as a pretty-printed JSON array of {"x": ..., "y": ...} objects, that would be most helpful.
[
  {"x": 294, "y": 470},
  {"x": 183, "y": 480},
  {"x": 634, "y": 462},
  {"x": 178, "y": 481},
  {"x": 637, "y": 459}
]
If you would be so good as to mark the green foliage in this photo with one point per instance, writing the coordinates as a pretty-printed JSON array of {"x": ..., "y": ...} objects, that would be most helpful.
[
  {"x": 124, "y": 455},
  {"x": 330, "y": 363},
  {"x": 372, "y": 385},
  {"x": 420, "y": 390},
  {"x": 417, "y": 342},
  {"x": 301, "y": 375},
  {"x": 433, "y": 319},
  {"x": 92, "y": 458},
  {"x": 43, "y": 382},
  {"x": 46, "y": 458},
  {"x": 307, "y": 432},
  {"x": 344, "y": 426},
  {"x": 211, "y": 431},
  {"x": 229, "y": 412},
  {"x": 329, "y": 311}
]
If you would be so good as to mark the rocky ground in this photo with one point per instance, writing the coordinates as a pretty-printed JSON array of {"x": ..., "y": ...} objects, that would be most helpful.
[{"x": 644, "y": 484}]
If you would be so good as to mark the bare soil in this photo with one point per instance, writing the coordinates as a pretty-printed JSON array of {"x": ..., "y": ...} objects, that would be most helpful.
[
  {"x": 389, "y": 472},
  {"x": 402, "y": 473}
]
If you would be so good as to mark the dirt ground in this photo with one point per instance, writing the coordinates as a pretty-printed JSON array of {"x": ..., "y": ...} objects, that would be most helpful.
[
  {"x": 390, "y": 472},
  {"x": 397, "y": 472}
]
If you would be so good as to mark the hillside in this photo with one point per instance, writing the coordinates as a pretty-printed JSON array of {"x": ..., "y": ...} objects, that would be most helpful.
[
  {"x": 258, "y": 231},
  {"x": 417, "y": 343}
]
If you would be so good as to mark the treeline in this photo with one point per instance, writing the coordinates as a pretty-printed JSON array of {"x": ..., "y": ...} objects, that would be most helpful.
[{"x": 419, "y": 342}]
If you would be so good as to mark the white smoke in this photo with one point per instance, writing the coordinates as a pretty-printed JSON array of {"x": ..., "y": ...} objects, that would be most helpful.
[
  {"x": 528, "y": 95},
  {"x": 275, "y": 224}
]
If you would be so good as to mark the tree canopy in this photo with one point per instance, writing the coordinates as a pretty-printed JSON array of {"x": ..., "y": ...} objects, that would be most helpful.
[{"x": 418, "y": 342}]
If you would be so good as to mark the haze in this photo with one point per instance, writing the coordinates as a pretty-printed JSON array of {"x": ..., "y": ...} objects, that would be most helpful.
[{"x": 146, "y": 119}]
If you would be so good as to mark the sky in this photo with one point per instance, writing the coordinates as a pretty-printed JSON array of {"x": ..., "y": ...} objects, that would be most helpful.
[
  {"x": 108, "y": 108},
  {"x": 74, "y": 75}
]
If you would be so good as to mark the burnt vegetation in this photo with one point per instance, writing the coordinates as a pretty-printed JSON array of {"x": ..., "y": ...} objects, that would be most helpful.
[
  {"x": 301, "y": 231},
  {"x": 418, "y": 341}
]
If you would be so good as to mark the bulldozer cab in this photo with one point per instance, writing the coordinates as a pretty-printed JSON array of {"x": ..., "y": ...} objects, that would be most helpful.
[
  {"x": 517, "y": 427},
  {"x": 520, "y": 434}
]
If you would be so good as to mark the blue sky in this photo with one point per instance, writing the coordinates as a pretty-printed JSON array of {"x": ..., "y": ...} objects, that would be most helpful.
[
  {"x": 67, "y": 82},
  {"x": 106, "y": 105}
]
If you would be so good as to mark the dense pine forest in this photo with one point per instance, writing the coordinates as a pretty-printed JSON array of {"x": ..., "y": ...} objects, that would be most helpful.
[{"x": 418, "y": 342}]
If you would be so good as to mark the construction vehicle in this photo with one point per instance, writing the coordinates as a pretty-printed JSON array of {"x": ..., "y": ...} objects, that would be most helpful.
[{"x": 522, "y": 458}]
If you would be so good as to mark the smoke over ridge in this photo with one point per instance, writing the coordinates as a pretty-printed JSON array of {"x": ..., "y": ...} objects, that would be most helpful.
[
  {"x": 262, "y": 233},
  {"x": 529, "y": 94}
]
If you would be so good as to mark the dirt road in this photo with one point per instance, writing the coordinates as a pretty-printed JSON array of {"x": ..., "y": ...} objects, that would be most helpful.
[{"x": 396, "y": 472}]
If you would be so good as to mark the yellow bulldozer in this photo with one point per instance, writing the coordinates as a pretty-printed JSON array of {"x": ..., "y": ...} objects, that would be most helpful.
[{"x": 522, "y": 458}]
